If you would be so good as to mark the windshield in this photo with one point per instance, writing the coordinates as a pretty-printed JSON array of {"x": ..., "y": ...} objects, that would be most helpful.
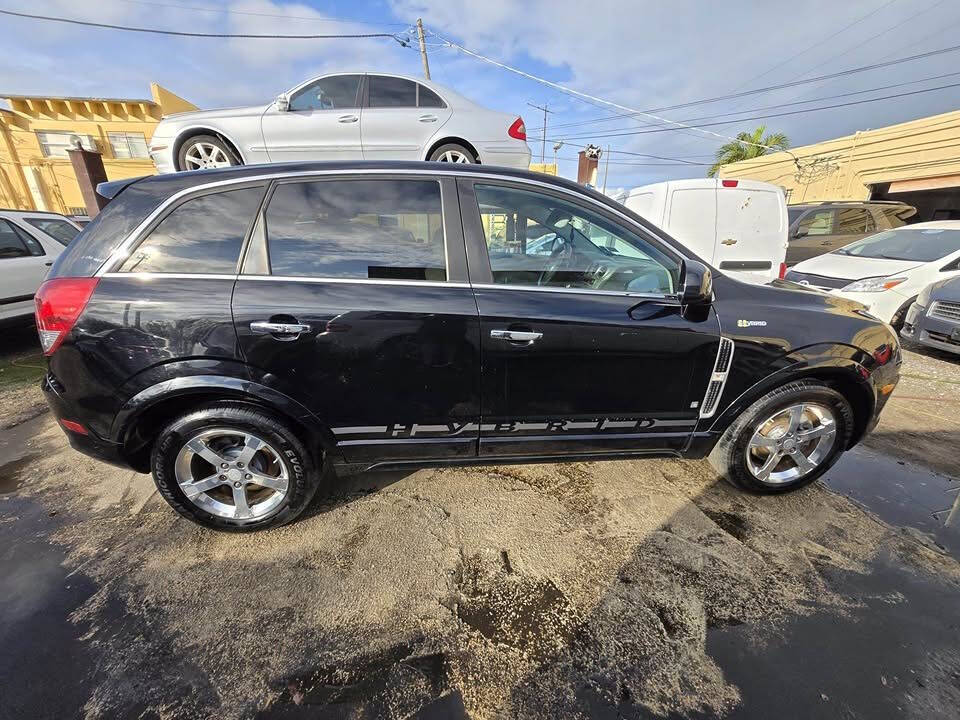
[{"x": 906, "y": 243}]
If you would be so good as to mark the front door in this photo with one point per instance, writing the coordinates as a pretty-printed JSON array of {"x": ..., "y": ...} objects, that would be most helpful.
[
  {"x": 354, "y": 300},
  {"x": 23, "y": 266},
  {"x": 585, "y": 347},
  {"x": 322, "y": 122},
  {"x": 826, "y": 230},
  {"x": 399, "y": 118}
]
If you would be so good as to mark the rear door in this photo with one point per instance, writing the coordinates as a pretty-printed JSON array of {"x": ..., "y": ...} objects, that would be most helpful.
[
  {"x": 585, "y": 348},
  {"x": 399, "y": 118},
  {"x": 321, "y": 123},
  {"x": 23, "y": 266},
  {"x": 354, "y": 299},
  {"x": 751, "y": 231}
]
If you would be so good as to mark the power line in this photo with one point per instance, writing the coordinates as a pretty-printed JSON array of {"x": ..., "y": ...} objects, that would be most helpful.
[
  {"x": 179, "y": 33},
  {"x": 762, "y": 117}
]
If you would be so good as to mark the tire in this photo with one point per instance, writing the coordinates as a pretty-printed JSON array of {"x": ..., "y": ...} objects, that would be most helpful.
[
  {"x": 453, "y": 152},
  {"x": 223, "y": 428},
  {"x": 770, "y": 414},
  {"x": 216, "y": 151}
]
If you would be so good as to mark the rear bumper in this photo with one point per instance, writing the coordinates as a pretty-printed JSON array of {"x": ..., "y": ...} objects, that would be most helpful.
[
  {"x": 90, "y": 443},
  {"x": 512, "y": 154}
]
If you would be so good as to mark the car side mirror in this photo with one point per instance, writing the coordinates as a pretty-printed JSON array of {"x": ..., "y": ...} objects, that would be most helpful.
[
  {"x": 283, "y": 103},
  {"x": 696, "y": 285},
  {"x": 798, "y": 233}
]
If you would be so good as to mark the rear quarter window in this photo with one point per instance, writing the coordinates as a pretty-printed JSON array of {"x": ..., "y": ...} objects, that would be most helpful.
[{"x": 201, "y": 235}]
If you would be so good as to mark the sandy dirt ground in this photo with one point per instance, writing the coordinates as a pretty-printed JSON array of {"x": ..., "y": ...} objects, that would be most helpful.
[{"x": 541, "y": 591}]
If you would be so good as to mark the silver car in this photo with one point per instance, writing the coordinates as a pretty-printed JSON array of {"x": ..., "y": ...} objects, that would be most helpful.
[
  {"x": 346, "y": 116},
  {"x": 934, "y": 319}
]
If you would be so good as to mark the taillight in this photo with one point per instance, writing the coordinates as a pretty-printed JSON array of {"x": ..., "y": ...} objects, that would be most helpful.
[
  {"x": 783, "y": 270},
  {"x": 518, "y": 130},
  {"x": 729, "y": 183},
  {"x": 59, "y": 303}
]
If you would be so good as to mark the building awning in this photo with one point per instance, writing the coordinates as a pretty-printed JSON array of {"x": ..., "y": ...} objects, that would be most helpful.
[{"x": 929, "y": 183}]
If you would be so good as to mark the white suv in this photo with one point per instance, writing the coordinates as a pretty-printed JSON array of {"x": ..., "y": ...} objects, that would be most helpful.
[{"x": 29, "y": 243}]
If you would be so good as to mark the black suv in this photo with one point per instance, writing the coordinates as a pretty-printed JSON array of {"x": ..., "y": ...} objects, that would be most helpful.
[
  {"x": 241, "y": 331},
  {"x": 822, "y": 227}
]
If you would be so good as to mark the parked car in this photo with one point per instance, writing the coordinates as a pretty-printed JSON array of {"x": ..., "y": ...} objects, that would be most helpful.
[
  {"x": 29, "y": 243},
  {"x": 739, "y": 226},
  {"x": 822, "y": 227},
  {"x": 886, "y": 271},
  {"x": 934, "y": 319},
  {"x": 352, "y": 116},
  {"x": 238, "y": 331}
]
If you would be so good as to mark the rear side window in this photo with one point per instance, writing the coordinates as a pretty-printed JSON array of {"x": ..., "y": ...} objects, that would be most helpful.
[
  {"x": 202, "y": 235},
  {"x": 427, "y": 98},
  {"x": 854, "y": 221},
  {"x": 392, "y": 92},
  {"x": 60, "y": 230},
  {"x": 364, "y": 229}
]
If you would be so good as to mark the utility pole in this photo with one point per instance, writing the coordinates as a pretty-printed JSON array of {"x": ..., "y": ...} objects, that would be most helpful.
[
  {"x": 606, "y": 168},
  {"x": 423, "y": 49},
  {"x": 543, "y": 145}
]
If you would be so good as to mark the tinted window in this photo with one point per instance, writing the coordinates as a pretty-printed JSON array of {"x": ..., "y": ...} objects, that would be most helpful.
[
  {"x": 819, "y": 222},
  {"x": 538, "y": 239},
  {"x": 906, "y": 243},
  {"x": 330, "y": 93},
  {"x": 11, "y": 246},
  {"x": 427, "y": 98},
  {"x": 392, "y": 92},
  {"x": 62, "y": 231},
  {"x": 382, "y": 229},
  {"x": 851, "y": 221},
  {"x": 203, "y": 235},
  {"x": 793, "y": 214}
]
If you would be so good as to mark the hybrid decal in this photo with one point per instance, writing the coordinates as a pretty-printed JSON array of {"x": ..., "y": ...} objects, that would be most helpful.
[
  {"x": 751, "y": 323},
  {"x": 506, "y": 427}
]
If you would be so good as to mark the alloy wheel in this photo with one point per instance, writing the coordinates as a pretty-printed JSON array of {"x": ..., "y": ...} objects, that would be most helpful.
[
  {"x": 232, "y": 474},
  {"x": 202, "y": 155},
  {"x": 791, "y": 443},
  {"x": 454, "y": 156}
]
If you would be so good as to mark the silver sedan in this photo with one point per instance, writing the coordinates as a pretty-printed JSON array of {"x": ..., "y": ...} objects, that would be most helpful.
[{"x": 348, "y": 116}]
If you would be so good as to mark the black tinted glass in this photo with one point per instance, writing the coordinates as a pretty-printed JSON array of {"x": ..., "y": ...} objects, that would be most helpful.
[
  {"x": 392, "y": 92},
  {"x": 203, "y": 235},
  {"x": 60, "y": 230},
  {"x": 429, "y": 99},
  {"x": 330, "y": 93},
  {"x": 381, "y": 229},
  {"x": 11, "y": 246}
]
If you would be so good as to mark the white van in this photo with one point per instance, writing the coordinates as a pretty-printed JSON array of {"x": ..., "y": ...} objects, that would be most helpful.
[{"x": 738, "y": 226}]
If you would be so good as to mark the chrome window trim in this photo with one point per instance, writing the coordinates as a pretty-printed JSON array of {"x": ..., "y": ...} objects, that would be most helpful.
[
  {"x": 170, "y": 276},
  {"x": 351, "y": 281},
  {"x": 578, "y": 291},
  {"x": 123, "y": 250}
]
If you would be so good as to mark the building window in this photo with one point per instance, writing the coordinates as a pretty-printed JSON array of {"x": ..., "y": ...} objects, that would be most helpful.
[
  {"x": 128, "y": 144},
  {"x": 55, "y": 143}
]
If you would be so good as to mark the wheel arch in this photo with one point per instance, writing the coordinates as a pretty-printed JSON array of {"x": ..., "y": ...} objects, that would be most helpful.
[
  {"x": 846, "y": 376},
  {"x": 143, "y": 416},
  {"x": 203, "y": 130},
  {"x": 452, "y": 139}
]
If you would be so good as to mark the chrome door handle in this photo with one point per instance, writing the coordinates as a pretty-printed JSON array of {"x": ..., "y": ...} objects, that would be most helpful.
[
  {"x": 427, "y": 118},
  {"x": 261, "y": 327},
  {"x": 347, "y": 118},
  {"x": 525, "y": 336}
]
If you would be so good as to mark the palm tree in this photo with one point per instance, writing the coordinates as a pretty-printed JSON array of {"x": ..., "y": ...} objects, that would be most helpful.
[{"x": 750, "y": 147}]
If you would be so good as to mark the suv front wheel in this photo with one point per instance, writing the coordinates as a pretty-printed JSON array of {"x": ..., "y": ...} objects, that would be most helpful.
[
  {"x": 786, "y": 439},
  {"x": 233, "y": 468}
]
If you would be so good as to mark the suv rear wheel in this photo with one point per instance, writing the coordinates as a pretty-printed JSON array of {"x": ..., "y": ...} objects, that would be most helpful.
[
  {"x": 786, "y": 439},
  {"x": 234, "y": 468}
]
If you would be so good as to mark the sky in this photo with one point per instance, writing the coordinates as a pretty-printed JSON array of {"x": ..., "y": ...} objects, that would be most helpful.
[{"x": 640, "y": 54}]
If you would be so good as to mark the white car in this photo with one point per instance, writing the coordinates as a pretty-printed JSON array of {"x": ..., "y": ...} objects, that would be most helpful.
[
  {"x": 351, "y": 116},
  {"x": 29, "y": 243},
  {"x": 886, "y": 271}
]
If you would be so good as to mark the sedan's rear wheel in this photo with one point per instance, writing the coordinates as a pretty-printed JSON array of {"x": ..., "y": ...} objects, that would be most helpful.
[
  {"x": 786, "y": 439},
  {"x": 453, "y": 153},
  {"x": 204, "y": 152}
]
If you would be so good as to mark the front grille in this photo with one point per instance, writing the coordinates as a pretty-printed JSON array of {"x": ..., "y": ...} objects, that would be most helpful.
[
  {"x": 942, "y": 337},
  {"x": 946, "y": 310},
  {"x": 816, "y": 280}
]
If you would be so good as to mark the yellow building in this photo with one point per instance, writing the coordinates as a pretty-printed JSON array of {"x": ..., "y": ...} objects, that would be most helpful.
[
  {"x": 917, "y": 162},
  {"x": 36, "y": 132}
]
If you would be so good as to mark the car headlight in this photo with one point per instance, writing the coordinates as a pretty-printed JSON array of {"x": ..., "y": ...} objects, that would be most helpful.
[{"x": 876, "y": 284}]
